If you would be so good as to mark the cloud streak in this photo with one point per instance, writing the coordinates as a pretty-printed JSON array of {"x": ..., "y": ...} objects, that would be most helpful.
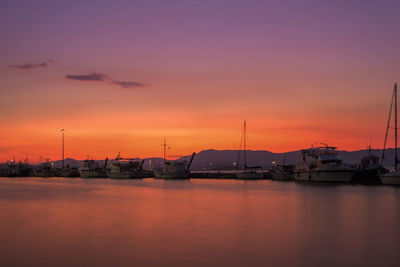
[
  {"x": 32, "y": 65},
  {"x": 88, "y": 77},
  {"x": 129, "y": 85},
  {"x": 101, "y": 77}
]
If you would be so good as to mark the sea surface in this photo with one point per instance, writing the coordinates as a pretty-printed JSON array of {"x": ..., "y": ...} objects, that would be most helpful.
[{"x": 149, "y": 222}]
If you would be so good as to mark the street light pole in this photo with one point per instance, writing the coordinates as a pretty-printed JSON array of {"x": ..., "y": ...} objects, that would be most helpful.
[{"x": 63, "y": 148}]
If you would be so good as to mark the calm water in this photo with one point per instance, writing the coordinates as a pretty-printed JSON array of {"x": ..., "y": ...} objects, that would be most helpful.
[{"x": 102, "y": 222}]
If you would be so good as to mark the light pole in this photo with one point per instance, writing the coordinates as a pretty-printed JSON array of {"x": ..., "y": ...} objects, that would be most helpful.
[{"x": 63, "y": 148}]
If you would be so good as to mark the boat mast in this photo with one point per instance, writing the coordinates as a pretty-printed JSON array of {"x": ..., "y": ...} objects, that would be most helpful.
[
  {"x": 165, "y": 146},
  {"x": 62, "y": 131},
  {"x": 395, "y": 127},
  {"x": 387, "y": 127},
  {"x": 244, "y": 144}
]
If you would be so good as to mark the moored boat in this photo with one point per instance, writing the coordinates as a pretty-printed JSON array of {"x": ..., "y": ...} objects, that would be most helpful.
[
  {"x": 133, "y": 168},
  {"x": 322, "y": 164},
  {"x": 12, "y": 169},
  {"x": 282, "y": 172},
  {"x": 247, "y": 172},
  {"x": 369, "y": 169},
  {"x": 46, "y": 169},
  {"x": 91, "y": 169},
  {"x": 178, "y": 169},
  {"x": 175, "y": 169},
  {"x": 71, "y": 172},
  {"x": 172, "y": 170}
]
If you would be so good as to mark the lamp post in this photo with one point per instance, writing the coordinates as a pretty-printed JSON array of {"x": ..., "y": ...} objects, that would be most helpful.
[{"x": 63, "y": 148}]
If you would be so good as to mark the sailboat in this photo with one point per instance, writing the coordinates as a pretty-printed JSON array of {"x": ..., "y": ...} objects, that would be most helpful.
[
  {"x": 393, "y": 176},
  {"x": 248, "y": 172}
]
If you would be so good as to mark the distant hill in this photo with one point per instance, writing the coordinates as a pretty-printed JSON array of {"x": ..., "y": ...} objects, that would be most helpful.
[{"x": 223, "y": 159}]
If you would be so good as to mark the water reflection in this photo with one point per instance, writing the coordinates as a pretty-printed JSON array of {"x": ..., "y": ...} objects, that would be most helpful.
[{"x": 153, "y": 222}]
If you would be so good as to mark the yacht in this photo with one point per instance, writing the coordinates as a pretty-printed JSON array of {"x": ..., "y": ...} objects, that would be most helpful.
[
  {"x": 322, "y": 164},
  {"x": 391, "y": 177}
]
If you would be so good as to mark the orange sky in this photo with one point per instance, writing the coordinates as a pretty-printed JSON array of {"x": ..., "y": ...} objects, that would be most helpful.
[{"x": 101, "y": 121}]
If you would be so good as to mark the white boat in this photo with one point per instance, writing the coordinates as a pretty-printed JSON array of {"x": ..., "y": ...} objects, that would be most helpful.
[
  {"x": 322, "y": 164},
  {"x": 247, "y": 172},
  {"x": 392, "y": 177}
]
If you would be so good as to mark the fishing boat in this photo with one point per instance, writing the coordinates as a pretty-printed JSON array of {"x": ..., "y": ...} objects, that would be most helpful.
[
  {"x": 178, "y": 169},
  {"x": 247, "y": 172},
  {"x": 126, "y": 168},
  {"x": 92, "y": 169},
  {"x": 71, "y": 172},
  {"x": 322, "y": 164},
  {"x": 369, "y": 169},
  {"x": 282, "y": 171},
  {"x": 392, "y": 177},
  {"x": 46, "y": 169},
  {"x": 12, "y": 169}
]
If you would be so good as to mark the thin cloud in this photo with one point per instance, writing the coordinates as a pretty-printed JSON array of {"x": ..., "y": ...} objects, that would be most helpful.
[
  {"x": 32, "y": 65},
  {"x": 101, "y": 77},
  {"x": 29, "y": 66},
  {"x": 88, "y": 77},
  {"x": 129, "y": 85}
]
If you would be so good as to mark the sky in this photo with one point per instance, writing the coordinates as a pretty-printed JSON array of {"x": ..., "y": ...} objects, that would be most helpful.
[{"x": 120, "y": 76}]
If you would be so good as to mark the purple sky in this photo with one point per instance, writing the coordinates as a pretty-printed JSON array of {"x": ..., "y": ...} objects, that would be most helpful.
[{"x": 298, "y": 71}]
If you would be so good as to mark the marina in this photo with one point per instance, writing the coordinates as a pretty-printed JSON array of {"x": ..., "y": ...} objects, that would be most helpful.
[
  {"x": 205, "y": 133},
  {"x": 317, "y": 164}
]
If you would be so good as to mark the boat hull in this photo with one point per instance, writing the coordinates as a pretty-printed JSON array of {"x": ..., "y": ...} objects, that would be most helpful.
[
  {"x": 390, "y": 179},
  {"x": 282, "y": 176},
  {"x": 91, "y": 175},
  {"x": 331, "y": 176},
  {"x": 124, "y": 175},
  {"x": 171, "y": 175},
  {"x": 249, "y": 175},
  {"x": 368, "y": 177}
]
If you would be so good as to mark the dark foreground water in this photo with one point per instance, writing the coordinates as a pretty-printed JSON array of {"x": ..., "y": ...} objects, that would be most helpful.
[{"x": 78, "y": 222}]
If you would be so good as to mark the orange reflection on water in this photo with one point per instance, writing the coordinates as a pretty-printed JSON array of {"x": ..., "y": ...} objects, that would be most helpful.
[{"x": 197, "y": 222}]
